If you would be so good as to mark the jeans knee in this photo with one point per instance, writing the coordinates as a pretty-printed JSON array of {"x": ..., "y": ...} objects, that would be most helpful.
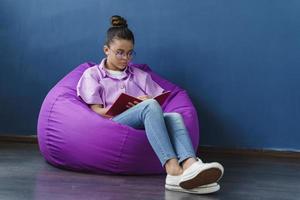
[
  {"x": 150, "y": 101},
  {"x": 173, "y": 115},
  {"x": 152, "y": 104}
]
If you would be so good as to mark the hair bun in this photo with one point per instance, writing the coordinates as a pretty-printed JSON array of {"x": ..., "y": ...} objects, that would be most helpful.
[{"x": 118, "y": 21}]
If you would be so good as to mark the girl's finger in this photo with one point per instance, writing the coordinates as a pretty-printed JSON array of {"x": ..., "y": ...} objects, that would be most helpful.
[
  {"x": 144, "y": 97},
  {"x": 130, "y": 104}
]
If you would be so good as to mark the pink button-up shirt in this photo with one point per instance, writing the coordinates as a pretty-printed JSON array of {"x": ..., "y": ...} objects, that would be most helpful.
[{"x": 96, "y": 86}]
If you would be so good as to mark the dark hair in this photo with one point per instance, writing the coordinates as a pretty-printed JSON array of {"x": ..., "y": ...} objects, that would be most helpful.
[{"x": 118, "y": 30}]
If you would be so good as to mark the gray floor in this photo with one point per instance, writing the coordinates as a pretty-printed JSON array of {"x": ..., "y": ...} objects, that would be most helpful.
[{"x": 25, "y": 175}]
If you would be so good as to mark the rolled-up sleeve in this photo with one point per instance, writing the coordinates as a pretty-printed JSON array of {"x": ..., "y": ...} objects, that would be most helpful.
[
  {"x": 152, "y": 88},
  {"x": 89, "y": 88}
]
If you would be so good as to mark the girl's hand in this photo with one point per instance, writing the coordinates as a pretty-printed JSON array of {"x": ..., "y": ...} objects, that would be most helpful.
[
  {"x": 144, "y": 97},
  {"x": 105, "y": 115},
  {"x": 100, "y": 110},
  {"x": 131, "y": 104}
]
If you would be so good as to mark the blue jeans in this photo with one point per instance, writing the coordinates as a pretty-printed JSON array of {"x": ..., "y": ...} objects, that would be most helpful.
[{"x": 166, "y": 132}]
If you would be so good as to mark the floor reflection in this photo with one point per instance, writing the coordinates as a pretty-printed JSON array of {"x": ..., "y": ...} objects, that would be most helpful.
[
  {"x": 170, "y": 195},
  {"x": 52, "y": 183}
]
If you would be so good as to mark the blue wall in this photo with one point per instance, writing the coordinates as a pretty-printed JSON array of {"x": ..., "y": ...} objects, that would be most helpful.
[{"x": 238, "y": 59}]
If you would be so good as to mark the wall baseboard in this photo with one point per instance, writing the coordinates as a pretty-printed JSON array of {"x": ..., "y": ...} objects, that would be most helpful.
[
  {"x": 249, "y": 152},
  {"x": 19, "y": 139},
  {"x": 202, "y": 149}
]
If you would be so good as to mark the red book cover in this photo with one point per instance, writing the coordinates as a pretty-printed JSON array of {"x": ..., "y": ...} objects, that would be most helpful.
[{"x": 120, "y": 105}]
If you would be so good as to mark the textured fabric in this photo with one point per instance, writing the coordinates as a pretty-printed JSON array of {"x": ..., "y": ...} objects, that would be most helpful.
[
  {"x": 72, "y": 136},
  {"x": 97, "y": 86}
]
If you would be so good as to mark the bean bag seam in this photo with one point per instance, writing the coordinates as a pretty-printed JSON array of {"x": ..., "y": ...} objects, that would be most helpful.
[
  {"x": 121, "y": 150},
  {"x": 47, "y": 127}
]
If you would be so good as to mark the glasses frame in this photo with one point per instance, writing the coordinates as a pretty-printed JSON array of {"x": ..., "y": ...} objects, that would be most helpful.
[{"x": 120, "y": 55}]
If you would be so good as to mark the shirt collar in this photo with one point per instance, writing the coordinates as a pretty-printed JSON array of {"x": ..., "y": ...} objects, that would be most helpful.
[{"x": 104, "y": 73}]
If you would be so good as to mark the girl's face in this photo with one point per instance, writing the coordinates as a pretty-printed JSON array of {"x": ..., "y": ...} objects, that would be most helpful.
[{"x": 119, "y": 53}]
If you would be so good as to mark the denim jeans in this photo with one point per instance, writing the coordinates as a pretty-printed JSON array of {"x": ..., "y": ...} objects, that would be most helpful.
[{"x": 166, "y": 132}]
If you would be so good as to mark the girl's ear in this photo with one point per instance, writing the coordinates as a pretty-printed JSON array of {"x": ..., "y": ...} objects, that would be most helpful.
[{"x": 106, "y": 50}]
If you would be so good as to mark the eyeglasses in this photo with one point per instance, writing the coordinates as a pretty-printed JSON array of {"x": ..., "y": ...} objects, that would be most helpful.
[{"x": 121, "y": 54}]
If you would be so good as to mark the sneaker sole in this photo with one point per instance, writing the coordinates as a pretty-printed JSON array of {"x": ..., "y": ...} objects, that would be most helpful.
[
  {"x": 198, "y": 190},
  {"x": 205, "y": 177}
]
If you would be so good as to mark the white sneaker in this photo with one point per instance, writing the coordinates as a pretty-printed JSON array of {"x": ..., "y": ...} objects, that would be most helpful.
[
  {"x": 172, "y": 183},
  {"x": 199, "y": 174},
  {"x": 173, "y": 180}
]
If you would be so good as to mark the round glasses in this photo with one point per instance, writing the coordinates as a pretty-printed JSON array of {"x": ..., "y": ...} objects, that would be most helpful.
[{"x": 121, "y": 54}]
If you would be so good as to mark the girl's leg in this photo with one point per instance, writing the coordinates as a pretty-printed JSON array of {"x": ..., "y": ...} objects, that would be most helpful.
[
  {"x": 180, "y": 139},
  {"x": 148, "y": 114},
  {"x": 195, "y": 173}
]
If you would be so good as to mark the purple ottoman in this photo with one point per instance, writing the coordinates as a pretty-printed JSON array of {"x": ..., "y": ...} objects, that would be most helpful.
[{"x": 72, "y": 136}]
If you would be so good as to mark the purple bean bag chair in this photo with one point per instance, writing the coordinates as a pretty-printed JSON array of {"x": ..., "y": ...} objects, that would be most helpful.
[{"x": 72, "y": 136}]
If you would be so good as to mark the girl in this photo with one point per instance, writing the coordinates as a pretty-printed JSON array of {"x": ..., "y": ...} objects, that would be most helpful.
[{"x": 100, "y": 86}]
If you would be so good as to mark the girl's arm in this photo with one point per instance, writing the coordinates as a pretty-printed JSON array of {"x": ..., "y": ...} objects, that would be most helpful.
[{"x": 98, "y": 108}]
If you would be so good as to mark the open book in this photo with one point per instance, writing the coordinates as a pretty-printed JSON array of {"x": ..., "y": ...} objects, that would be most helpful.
[{"x": 120, "y": 105}]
